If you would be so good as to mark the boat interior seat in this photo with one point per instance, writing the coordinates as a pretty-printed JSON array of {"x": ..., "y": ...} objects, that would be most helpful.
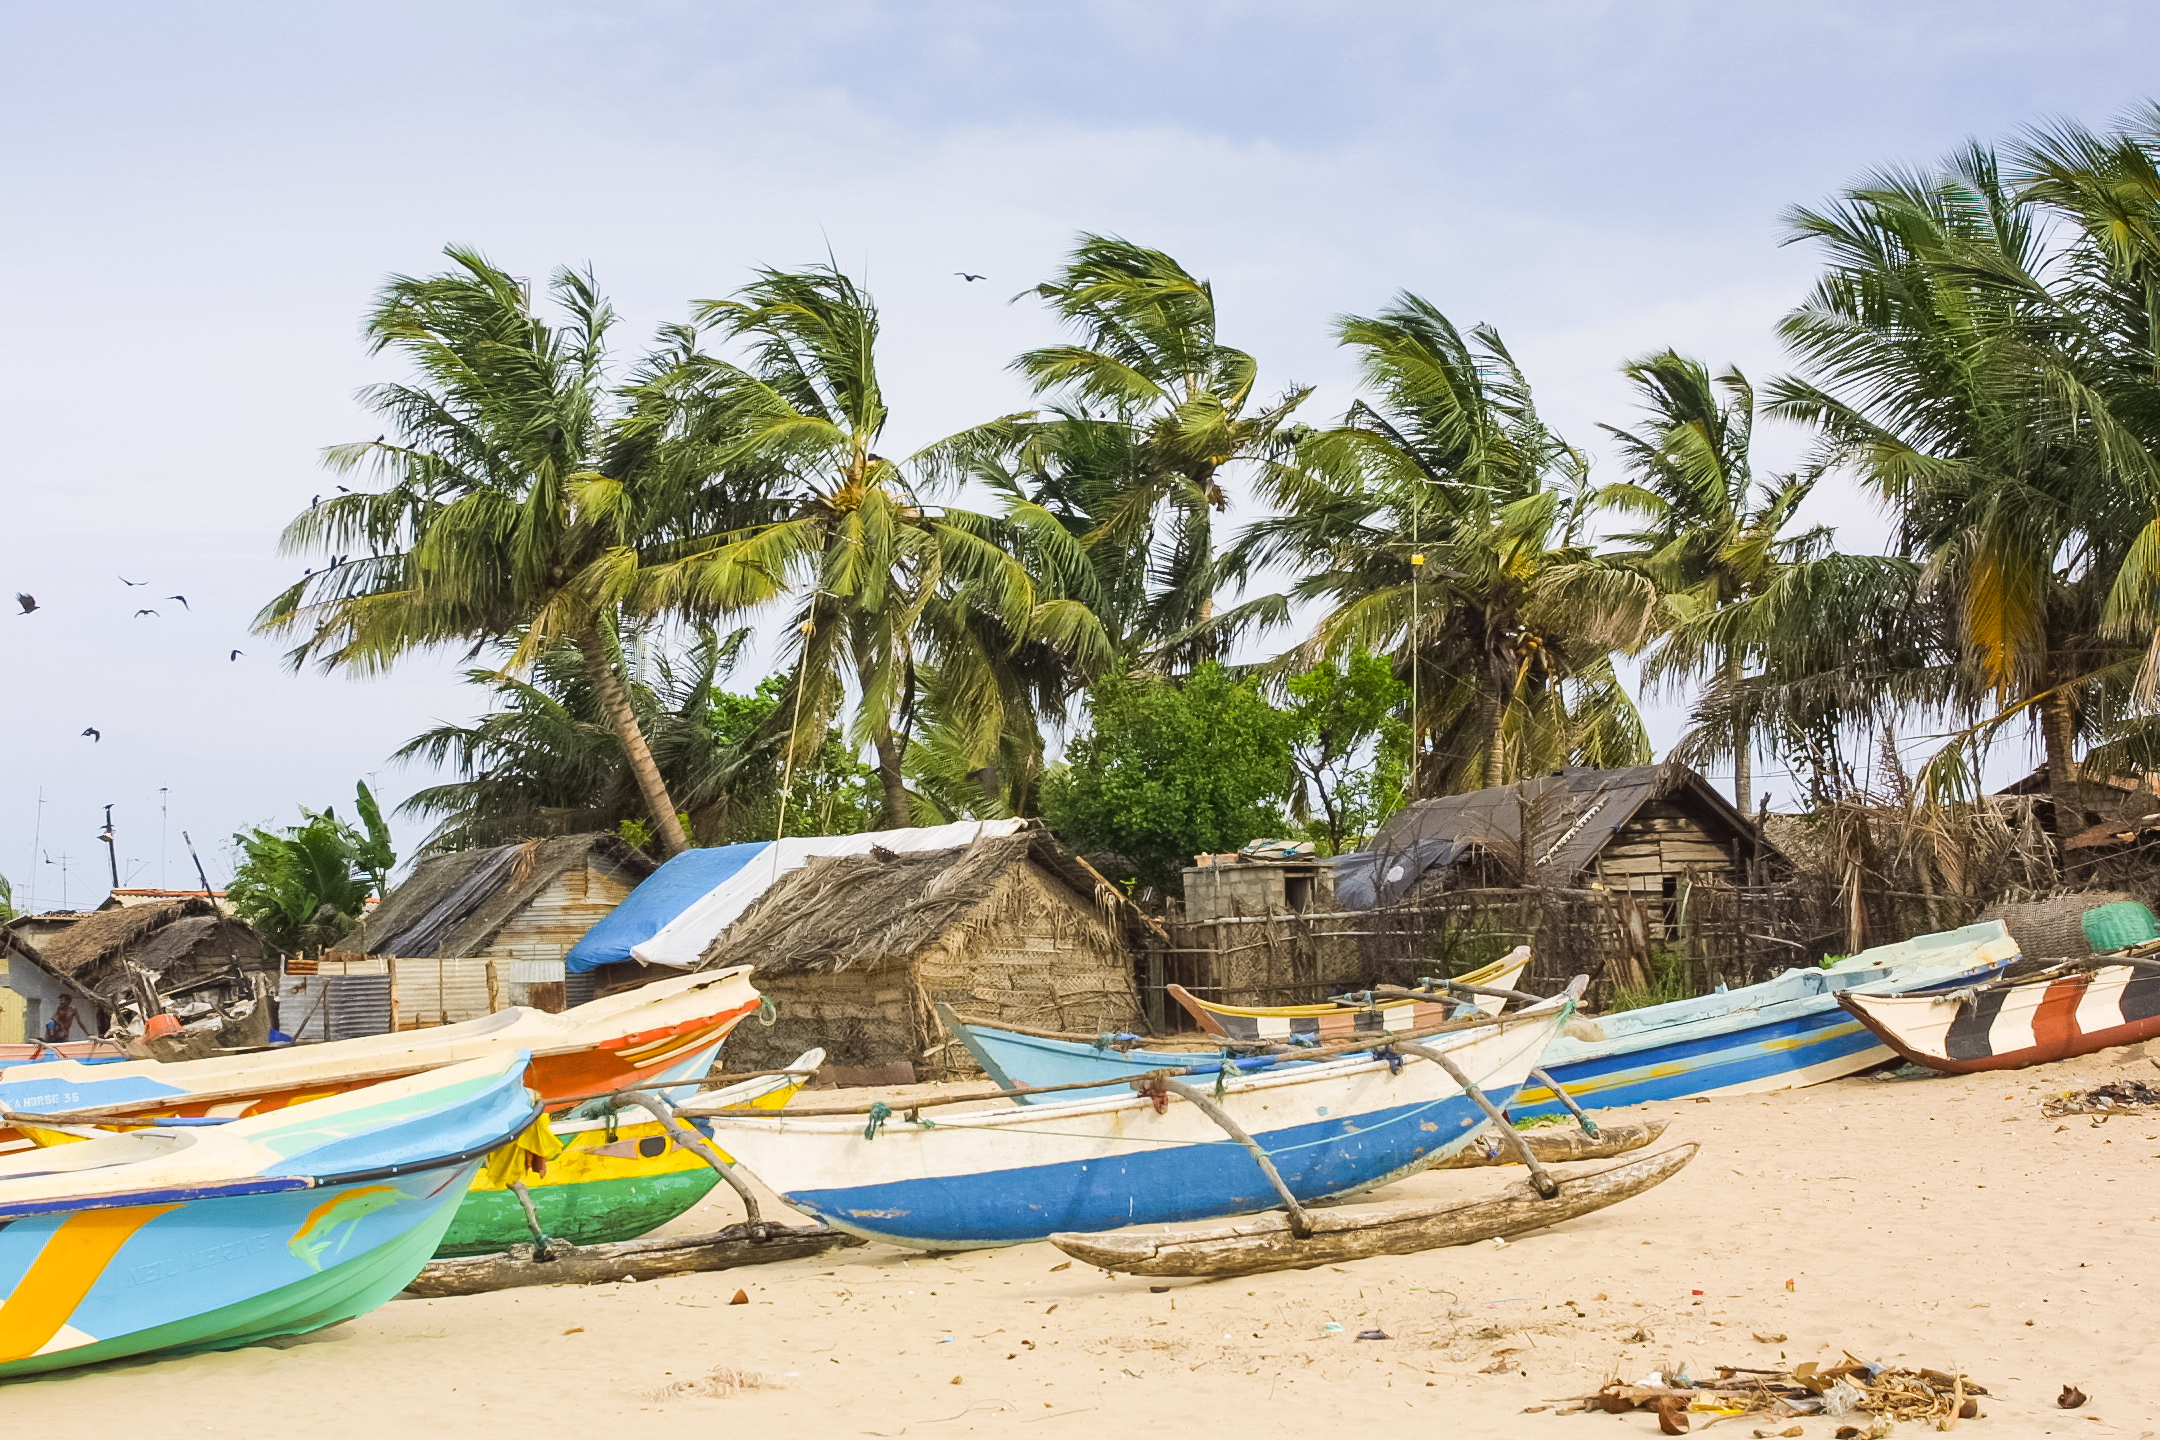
[{"x": 132, "y": 1147}]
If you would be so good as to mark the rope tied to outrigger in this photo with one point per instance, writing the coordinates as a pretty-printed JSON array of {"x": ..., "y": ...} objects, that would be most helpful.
[{"x": 880, "y": 1112}]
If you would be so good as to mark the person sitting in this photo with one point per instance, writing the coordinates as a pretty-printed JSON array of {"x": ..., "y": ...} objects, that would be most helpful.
[{"x": 62, "y": 1025}]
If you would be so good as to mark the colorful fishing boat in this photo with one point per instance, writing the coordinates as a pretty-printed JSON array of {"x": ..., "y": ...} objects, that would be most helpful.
[
  {"x": 210, "y": 1236},
  {"x": 1779, "y": 1035},
  {"x": 37, "y": 1050},
  {"x": 669, "y": 1030},
  {"x": 1020, "y": 1059},
  {"x": 2009, "y": 1024},
  {"x": 596, "y": 1179},
  {"x": 1348, "y": 1016},
  {"x": 1011, "y": 1174}
]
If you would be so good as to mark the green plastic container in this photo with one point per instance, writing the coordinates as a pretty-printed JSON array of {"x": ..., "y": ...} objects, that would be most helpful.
[{"x": 2119, "y": 926}]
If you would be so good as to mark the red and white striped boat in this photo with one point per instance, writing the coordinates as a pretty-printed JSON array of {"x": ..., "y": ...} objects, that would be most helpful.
[{"x": 2013, "y": 1023}]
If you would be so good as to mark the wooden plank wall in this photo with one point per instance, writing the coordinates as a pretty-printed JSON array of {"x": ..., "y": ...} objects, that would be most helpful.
[{"x": 558, "y": 917}]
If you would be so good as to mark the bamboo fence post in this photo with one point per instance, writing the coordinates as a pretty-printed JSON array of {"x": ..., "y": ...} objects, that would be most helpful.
[
  {"x": 390, "y": 964},
  {"x": 494, "y": 987}
]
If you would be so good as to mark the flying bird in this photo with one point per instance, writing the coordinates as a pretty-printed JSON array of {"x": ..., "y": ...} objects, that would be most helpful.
[
  {"x": 183, "y": 601},
  {"x": 140, "y": 613},
  {"x": 28, "y": 602},
  {"x": 971, "y": 279},
  {"x": 342, "y": 490},
  {"x": 125, "y": 581},
  {"x": 234, "y": 656},
  {"x": 93, "y": 734}
]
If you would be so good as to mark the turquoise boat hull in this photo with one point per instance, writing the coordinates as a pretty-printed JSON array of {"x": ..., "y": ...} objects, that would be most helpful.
[{"x": 346, "y": 1199}]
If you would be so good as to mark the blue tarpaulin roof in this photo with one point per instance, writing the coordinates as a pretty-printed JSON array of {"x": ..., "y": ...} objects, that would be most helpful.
[{"x": 662, "y": 896}]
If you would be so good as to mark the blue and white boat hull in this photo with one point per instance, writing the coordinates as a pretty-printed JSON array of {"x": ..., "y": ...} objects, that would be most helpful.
[
  {"x": 1785, "y": 1033},
  {"x": 1009, "y": 1175}
]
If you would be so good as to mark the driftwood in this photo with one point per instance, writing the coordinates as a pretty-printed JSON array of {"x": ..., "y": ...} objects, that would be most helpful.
[
  {"x": 1264, "y": 1242},
  {"x": 1556, "y": 1145},
  {"x": 624, "y": 1260}
]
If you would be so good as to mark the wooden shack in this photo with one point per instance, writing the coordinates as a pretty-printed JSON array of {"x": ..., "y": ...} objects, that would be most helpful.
[
  {"x": 176, "y": 945},
  {"x": 523, "y": 906},
  {"x": 855, "y": 951}
]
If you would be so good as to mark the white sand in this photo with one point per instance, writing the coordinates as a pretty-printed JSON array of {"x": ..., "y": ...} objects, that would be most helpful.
[{"x": 1938, "y": 1222}]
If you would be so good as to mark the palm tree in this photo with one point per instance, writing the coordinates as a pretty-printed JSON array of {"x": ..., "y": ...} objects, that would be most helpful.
[
  {"x": 895, "y": 592},
  {"x": 1710, "y": 536},
  {"x": 1152, "y": 409},
  {"x": 524, "y": 492},
  {"x": 1442, "y": 522},
  {"x": 1966, "y": 389}
]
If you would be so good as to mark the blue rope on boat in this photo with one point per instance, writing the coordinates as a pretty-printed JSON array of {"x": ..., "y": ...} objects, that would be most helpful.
[
  {"x": 880, "y": 1112},
  {"x": 1394, "y": 1061}
]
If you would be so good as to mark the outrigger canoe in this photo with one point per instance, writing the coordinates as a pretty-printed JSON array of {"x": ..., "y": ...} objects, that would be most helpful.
[
  {"x": 1012, "y": 1174},
  {"x": 613, "y": 1176},
  {"x": 1349, "y": 1016},
  {"x": 669, "y": 1030},
  {"x": 1779, "y": 1035},
  {"x": 211, "y": 1236},
  {"x": 2009, "y": 1024}
]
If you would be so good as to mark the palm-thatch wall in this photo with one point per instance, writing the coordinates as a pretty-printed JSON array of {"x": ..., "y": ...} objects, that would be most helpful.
[{"x": 854, "y": 952}]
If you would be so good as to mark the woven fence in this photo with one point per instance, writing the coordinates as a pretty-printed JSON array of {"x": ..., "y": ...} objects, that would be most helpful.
[{"x": 1706, "y": 935}]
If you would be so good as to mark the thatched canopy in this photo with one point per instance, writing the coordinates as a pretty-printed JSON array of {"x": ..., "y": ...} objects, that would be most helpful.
[
  {"x": 851, "y": 911},
  {"x": 161, "y": 939},
  {"x": 857, "y": 952},
  {"x": 455, "y": 904}
]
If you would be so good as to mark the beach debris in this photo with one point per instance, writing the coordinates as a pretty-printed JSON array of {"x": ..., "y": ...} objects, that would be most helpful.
[
  {"x": 1373, "y": 1335},
  {"x": 1790, "y": 1430},
  {"x": 1853, "y": 1387},
  {"x": 1331, "y": 1328},
  {"x": 716, "y": 1384},
  {"x": 2117, "y": 1097},
  {"x": 2071, "y": 1397},
  {"x": 1769, "y": 1337},
  {"x": 742, "y": 1297},
  {"x": 1672, "y": 1415},
  {"x": 1061, "y": 1265}
]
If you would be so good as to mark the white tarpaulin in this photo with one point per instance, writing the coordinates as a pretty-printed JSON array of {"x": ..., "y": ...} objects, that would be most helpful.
[{"x": 682, "y": 940}]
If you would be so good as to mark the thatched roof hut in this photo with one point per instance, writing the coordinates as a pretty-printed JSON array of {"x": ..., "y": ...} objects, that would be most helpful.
[
  {"x": 177, "y": 943},
  {"x": 855, "y": 950},
  {"x": 523, "y": 905}
]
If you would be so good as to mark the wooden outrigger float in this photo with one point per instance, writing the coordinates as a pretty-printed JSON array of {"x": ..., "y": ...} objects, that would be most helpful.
[{"x": 1271, "y": 1242}]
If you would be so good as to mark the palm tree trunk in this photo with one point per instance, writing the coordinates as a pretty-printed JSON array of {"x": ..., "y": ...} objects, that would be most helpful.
[
  {"x": 1743, "y": 761},
  {"x": 899, "y": 815},
  {"x": 2058, "y": 727},
  {"x": 1492, "y": 715},
  {"x": 615, "y": 701}
]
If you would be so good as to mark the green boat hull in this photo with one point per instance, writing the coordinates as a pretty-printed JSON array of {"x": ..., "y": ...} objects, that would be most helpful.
[
  {"x": 593, "y": 1212},
  {"x": 344, "y": 1292}
]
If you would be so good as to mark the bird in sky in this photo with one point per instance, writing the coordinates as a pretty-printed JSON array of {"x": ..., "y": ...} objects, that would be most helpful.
[
  {"x": 343, "y": 490},
  {"x": 125, "y": 581},
  {"x": 234, "y": 656},
  {"x": 183, "y": 601},
  {"x": 971, "y": 279},
  {"x": 92, "y": 732},
  {"x": 140, "y": 613},
  {"x": 28, "y": 602}
]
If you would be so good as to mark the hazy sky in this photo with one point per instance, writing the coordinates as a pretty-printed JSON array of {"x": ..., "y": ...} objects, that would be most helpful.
[{"x": 199, "y": 199}]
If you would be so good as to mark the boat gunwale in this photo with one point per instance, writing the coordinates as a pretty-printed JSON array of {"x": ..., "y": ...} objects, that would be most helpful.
[{"x": 1303, "y": 1073}]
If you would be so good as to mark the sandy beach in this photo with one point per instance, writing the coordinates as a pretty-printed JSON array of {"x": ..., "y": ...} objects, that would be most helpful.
[{"x": 1940, "y": 1222}]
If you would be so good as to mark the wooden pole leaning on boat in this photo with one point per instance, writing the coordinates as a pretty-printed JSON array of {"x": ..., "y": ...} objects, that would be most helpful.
[
  {"x": 685, "y": 1134},
  {"x": 1300, "y": 1222},
  {"x": 1567, "y": 1101},
  {"x": 1450, "y": 988},
  {"x": 1540, "y": 1180}
]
